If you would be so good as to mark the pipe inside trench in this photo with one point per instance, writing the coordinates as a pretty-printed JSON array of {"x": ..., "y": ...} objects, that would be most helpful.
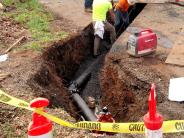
[{"x": 59, "y": 66}]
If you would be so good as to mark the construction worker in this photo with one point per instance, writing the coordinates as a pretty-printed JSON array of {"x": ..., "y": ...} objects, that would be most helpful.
[
  {"x": 121, "y": 13},
  {"x": 100, "y": 24},
  {"x": 88, "y": 5}
]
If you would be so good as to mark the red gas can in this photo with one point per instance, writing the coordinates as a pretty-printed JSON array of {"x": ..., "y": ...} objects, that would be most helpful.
[{"x": 142, "y": 43}]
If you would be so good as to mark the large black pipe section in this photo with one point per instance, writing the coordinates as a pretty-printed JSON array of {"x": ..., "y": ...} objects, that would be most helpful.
[
  {"x": 82, "y": 80},
  {"x": 87, "y": 113},
  {"x": 79, "y": 83},
  {"x": 74, "y": 89}
]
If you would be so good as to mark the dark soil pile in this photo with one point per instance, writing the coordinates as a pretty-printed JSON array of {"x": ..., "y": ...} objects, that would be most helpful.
[{"x": 125, "y": 83}]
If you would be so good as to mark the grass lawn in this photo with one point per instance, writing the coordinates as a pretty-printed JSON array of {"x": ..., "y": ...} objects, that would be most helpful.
[{"x": 31, "y": 15}]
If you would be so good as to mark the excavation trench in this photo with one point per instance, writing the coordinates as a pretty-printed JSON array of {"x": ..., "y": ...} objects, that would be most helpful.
[{"x": 67, "y": 60}]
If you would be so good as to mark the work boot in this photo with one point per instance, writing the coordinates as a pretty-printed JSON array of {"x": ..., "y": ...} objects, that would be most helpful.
[
  {"x": 96, "y": 46},
  {"x": 95, "y": 56},
  {"x": 89, "y": 10}
]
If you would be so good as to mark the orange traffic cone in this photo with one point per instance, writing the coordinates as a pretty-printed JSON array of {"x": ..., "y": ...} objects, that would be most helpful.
[
  {"x": 152, "y": 120},
  {"x": 40, "y": 127}
]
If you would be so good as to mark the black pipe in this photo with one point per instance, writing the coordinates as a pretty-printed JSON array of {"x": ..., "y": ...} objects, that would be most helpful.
[
  {"x": 87, "y": 113},
  {"x": 78, "y": 84},
  {"x": 74, "y": 89},
  {"x": 83, "y": 79}
]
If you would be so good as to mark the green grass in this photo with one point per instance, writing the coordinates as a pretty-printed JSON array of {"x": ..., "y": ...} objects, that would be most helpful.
[
  {"x": 35, "y": 46},
  {"x": 32, "y": 15},
  {"x": 8, "y": 2}
]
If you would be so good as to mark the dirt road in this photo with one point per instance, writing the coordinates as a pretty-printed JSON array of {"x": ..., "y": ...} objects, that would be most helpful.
[{"x": 72, "y": 10}]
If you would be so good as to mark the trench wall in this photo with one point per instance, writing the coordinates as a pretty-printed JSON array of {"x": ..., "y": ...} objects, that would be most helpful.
[{"x": 60, "y": 62}]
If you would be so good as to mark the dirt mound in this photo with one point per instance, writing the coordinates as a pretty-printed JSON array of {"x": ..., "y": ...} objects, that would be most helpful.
[
  {"x": 60, "y": 62},
  {"x": 125, "y": 84}
]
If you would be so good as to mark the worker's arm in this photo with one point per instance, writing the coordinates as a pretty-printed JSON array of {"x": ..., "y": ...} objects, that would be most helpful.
[{"x": 112, "y": 15}]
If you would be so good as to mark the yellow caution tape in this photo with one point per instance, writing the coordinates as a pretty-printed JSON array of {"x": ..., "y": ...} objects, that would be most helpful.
[
  {"x": 133, "y": 128},
  {"x": 7, "y": 99},
  {"x": 173, "y": 126}
]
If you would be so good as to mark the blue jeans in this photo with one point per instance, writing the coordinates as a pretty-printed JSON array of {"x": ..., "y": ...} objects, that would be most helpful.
[
  {"x": 121, "y": 20},
  {"x": 88, "y": 3}
]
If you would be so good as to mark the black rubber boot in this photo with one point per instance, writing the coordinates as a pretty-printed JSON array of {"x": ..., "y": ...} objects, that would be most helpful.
[{"x": 96, "y": 46}]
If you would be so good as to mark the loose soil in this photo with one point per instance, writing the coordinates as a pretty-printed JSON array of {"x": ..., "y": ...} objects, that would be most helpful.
[
  {"x": 131, "y": 78},
  {"x": 65, "y": 61},
  {"x": 123, "y": 82},
  {"x": 60, "y": 62},
  {"x": 23, "y": 65},
  {"x": 58, "y": 66},
  {"x": 128, "y": 88},
  {"x": 10, "y": 31}
]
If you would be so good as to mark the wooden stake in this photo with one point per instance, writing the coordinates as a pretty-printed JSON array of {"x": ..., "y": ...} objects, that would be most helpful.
[
  {"x": 4, "y": 75},
  {"x": 14, "y": 44}
]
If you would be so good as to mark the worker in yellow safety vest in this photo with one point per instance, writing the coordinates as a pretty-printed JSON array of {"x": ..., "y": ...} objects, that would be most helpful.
[{"x": 100, "y": 23}]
